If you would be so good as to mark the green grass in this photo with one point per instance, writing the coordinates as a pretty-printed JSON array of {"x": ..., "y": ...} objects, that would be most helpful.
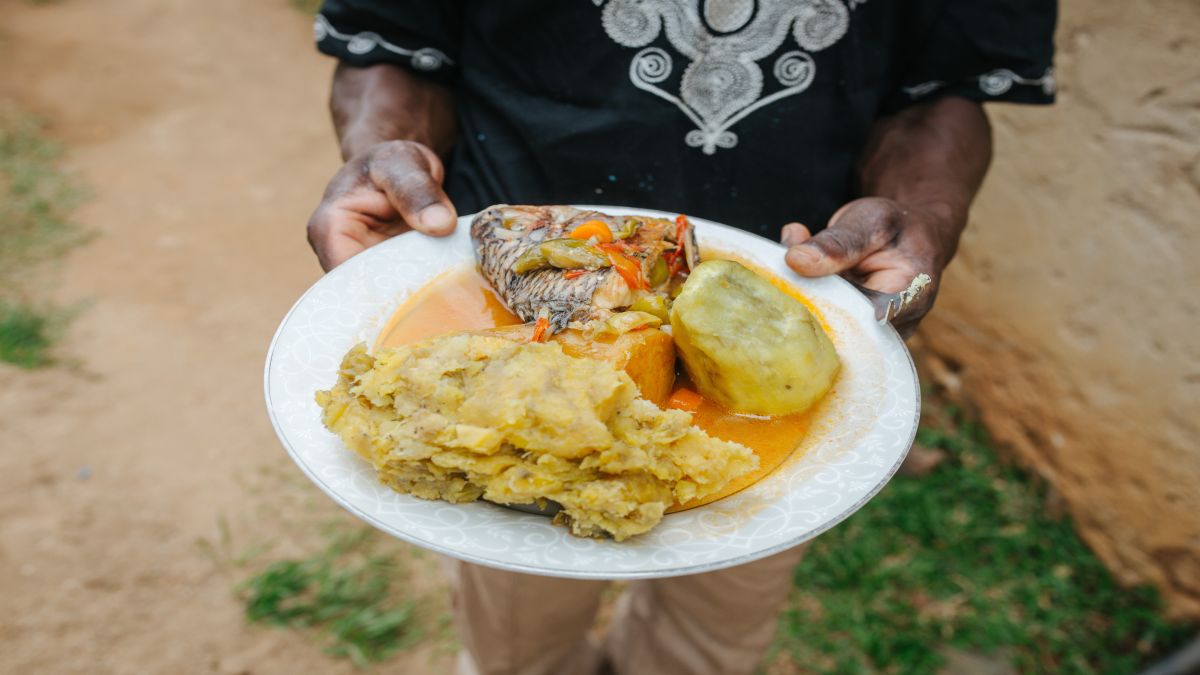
[
  {"x": 35, "y": 228},
  {"x": 966, "y": 557},
  {"x": 36, "y": 198},
  {"x": 28, "y": 333},
  {"x": 344, "y": 594}
]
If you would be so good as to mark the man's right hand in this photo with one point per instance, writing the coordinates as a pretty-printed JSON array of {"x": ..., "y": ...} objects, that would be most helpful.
[{"x": 389, "y": 189}]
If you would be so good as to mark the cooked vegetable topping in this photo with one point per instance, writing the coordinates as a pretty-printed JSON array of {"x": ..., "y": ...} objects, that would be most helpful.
[
  {"x": 659, "y": 273},
  {"x": 625, "y": 322},
  {"x": 685, "y": 399},
  {"x": 683, "y": 253},
  {"x": 574, "y": 274},
  {"x": 681, "y": 227},
  {"x": 676, "y": 265},
  {"x": 539, "y": 329},
  {"x": 531, "y": 260},
  {"x": 629, "y": 227},
  {"x": 628, "y": 267},
  {"x": 652, "y": 304},
  {"x": 573, "y": 254},
  {"x": 593, "y": 228}
]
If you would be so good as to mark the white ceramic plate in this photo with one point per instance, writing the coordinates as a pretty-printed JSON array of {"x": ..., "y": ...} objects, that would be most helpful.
[{"x": 860, "y": 434}]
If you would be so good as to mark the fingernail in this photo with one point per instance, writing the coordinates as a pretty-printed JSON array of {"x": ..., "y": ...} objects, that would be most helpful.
[
  {"x": 436, "y": 217},
  {"x": 804, "y": 255}
]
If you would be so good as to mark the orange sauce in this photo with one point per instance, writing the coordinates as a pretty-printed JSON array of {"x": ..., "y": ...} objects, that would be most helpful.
[
  {"x": 461, "y": 299},
  {"x": 456, "y": 300},
  {"x": 773, "y": 439}
]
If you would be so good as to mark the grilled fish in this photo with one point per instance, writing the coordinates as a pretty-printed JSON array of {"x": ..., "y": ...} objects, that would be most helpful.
[{"x": 561, "y": 264}]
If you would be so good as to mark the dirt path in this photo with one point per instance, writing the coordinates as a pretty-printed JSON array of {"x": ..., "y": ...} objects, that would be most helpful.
[{"x": 201, "y": 131}]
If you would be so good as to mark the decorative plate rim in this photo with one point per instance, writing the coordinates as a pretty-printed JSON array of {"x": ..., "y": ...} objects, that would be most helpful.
[{"x": 345, "y": 503}]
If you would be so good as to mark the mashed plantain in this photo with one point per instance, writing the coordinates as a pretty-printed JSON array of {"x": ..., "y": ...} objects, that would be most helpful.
[{"x": 467, "y": 416}]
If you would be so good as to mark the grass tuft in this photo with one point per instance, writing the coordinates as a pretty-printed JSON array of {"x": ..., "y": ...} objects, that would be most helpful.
[
  {"x": 34, "y": 225},
  {"x": 35, "y": 200},
  {"x": 968, "y": 558},
  {"x": 27, "y": 334},
  {"x": 344, "y": 593}
]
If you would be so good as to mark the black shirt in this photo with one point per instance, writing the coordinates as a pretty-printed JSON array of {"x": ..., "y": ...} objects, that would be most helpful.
[{"x": 748, "y": 112}]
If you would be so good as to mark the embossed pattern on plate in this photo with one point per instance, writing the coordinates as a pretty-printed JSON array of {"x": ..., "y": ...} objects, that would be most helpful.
[{"x": 860, "y": 434}]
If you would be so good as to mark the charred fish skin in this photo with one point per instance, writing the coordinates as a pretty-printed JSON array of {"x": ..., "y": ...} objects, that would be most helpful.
[{"x": 503, "y": 233}]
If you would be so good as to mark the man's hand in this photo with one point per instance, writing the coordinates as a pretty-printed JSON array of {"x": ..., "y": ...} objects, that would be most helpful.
[
  {"x": 391, "y": 125},
  {"x": 391, "y": 188},
  {"x": 877, "y": 244},
  {"x": 919, "y": 173}
]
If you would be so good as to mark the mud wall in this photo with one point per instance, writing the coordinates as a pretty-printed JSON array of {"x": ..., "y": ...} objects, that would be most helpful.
[{"x": 1071, "y": 317}]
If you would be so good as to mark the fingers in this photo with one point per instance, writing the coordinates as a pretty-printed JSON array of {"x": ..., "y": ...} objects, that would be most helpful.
[
  {"x": 890, "y": 280},
  {"x": 857, "y": 230},
  {"x": 330, "y": 234},
  {"x": 794, "y": 233},
  {"x": 333, "y": 250},
  {"x": 411, "y": 177},
  {"x": 394, "y": 187}
]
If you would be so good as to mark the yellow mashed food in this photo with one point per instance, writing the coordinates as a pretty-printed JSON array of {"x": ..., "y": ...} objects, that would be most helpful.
[{"x": 468, "y": 416}]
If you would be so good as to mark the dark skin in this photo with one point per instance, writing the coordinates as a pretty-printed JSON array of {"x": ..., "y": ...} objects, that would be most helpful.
[
  {"x": 918, "y": 174},
  {"x": 393, "y": 127}
]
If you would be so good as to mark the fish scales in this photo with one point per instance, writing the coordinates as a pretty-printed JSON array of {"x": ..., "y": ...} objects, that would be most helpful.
[{"x": 503, "y": 233}]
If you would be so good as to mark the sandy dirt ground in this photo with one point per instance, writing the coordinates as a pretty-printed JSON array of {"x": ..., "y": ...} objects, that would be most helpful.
[{"x": 201, "y": 131}]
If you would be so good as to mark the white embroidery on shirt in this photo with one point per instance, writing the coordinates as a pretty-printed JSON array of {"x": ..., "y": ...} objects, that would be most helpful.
[
  {"x": 426, "y": 58},
  {"x": 723, "y": 41},
  {"x": 919, "y": 90},
  {"x": 993, "y": 83},
  {"x": 1000, "y": 81}
]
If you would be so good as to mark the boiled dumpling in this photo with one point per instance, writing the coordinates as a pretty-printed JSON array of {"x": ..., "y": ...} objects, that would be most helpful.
[{"x": 748, "y": 345}]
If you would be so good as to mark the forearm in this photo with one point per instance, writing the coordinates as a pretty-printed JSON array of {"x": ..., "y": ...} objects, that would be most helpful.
[
  {"x": 931, "y": 157},
  {"x": 386, "y": 103}
]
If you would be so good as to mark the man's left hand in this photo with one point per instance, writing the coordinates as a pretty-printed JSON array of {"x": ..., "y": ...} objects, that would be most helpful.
[{"x": 879, "y": 244}]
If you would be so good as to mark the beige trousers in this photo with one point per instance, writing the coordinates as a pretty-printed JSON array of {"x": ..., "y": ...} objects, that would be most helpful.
[{"x": 717, "y": 623}]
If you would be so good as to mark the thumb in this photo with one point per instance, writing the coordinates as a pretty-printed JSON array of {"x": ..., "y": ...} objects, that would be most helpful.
[
  {"x": 410, "y": 174},
  {"x": 857, "y": 230}
]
